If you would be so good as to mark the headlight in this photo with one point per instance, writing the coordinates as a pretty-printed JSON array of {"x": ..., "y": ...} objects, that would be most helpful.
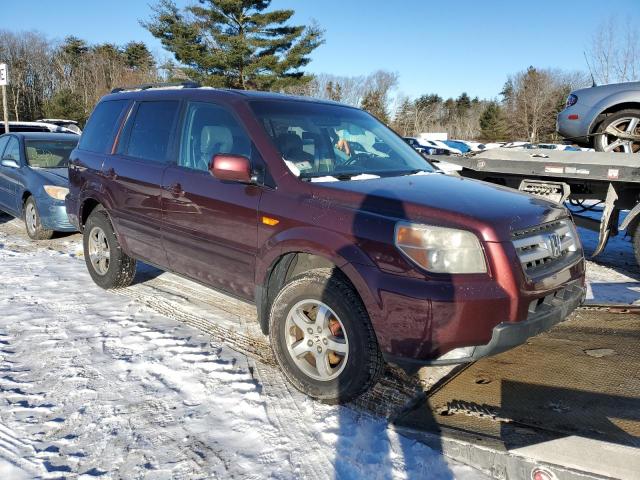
[
  {"x": 56, "y": 192},
  {"x": 571, "y": 100},
  {"x": 441, "y": 250}
]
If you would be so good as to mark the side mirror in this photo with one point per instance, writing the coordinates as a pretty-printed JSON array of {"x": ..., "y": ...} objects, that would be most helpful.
[
  {"x": 229, "y": 167},
  {"x": 9, "y": 162}
]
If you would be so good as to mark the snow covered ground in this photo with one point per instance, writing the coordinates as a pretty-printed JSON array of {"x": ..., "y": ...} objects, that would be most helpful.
[
  {"x": 100, "y": 384},
  {"x": 167, "y": 379}
]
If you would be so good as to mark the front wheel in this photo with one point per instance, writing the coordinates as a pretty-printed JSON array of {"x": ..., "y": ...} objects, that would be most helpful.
[
  {"x": 619, "y": 132},
  {"x": 108, "y": 265},
  {"x": 35, "y": 230},
  {"x": 322, "y": 337}
]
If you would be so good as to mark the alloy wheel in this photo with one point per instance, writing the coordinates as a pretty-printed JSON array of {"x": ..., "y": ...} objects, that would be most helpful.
[
  {"x": 316, "y": 340},
  {"x": 99, "y": 251},
  {"x": 624, "y": 127}
]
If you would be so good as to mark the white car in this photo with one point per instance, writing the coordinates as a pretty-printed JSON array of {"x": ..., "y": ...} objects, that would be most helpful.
[{"x": 39, "y": 126}]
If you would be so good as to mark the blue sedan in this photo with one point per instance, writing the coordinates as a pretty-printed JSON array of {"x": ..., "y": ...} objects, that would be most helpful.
[{"x": 34, "y": 180}]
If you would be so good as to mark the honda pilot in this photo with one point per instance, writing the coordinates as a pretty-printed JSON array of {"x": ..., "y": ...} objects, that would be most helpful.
[{"x": 354, "y": 249}]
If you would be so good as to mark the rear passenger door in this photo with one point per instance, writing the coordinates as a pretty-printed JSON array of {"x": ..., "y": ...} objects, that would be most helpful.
[
  {"x": 134, "y": 177},
  {"x": 210, "y": 229}
]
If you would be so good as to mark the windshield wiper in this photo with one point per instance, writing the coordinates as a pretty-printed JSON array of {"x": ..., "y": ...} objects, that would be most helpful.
[{"x": 337, "y": 175}]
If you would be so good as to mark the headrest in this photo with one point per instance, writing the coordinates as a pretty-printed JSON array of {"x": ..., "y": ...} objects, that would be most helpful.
[{"x": 216, "y": 138}]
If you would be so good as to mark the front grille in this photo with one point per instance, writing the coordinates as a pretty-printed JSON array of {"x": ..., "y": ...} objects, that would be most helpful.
[{"x": 543, "y": 247}]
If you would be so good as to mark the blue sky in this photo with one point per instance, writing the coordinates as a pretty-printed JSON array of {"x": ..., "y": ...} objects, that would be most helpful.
[{"x": 440, "y": 47}]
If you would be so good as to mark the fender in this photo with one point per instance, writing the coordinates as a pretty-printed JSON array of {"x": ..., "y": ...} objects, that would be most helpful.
[
  {"x": 94, "y": 191},
  {"x": 330, "y": 246},
  {"x": 611, "y": 101}
]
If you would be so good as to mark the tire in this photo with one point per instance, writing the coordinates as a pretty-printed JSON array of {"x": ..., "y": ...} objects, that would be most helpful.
[
  {"x": 108, "y": 265},
  {"x": 347, "y": 326},
  {"x": 32, "y": 222},
  {"x": 635, "y": 240},
  {"x": 623, "y": 119}
]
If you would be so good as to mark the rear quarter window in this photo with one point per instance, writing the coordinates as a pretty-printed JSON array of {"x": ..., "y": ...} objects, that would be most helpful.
[{"x": 101, "y": 128}]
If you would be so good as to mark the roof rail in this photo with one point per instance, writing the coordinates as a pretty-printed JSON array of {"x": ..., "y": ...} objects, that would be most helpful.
[{"x": 147, "y": 86}]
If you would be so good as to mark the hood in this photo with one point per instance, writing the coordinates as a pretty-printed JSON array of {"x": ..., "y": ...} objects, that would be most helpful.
[
  {"x": 491, "y": 210},
  {"x": 54, "y": 176}
]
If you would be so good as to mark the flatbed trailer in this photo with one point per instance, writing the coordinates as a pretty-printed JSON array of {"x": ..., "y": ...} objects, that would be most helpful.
[{"x": 610, "y": 178}]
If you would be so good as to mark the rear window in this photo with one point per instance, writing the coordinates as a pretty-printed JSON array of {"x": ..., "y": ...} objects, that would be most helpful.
[{"x": 102, "y": 126}]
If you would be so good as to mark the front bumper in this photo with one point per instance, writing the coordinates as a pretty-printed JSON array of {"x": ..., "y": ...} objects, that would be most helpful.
[
  {"x": 53, "y": 216},
  {"x": 544, "y": 313}
]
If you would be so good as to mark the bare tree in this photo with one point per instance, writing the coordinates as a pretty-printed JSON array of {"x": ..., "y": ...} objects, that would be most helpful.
[{"x": 614, "y": 54}]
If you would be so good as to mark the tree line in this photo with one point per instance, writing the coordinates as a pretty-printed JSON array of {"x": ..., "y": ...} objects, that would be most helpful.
[
  {"x": 66, "y": 79},
  {"x": 246, "y": 45}
]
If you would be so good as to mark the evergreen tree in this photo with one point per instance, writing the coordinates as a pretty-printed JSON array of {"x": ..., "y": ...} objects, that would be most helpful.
[
  {"x": 374, "y": 102},
  {"x": 138, "y": 57},
  {"x": 65, "y": 104},
  {"x": 333, "y": 91},
  {"x": 493, "y": 126},
  {"x": 236, "y": 43}
]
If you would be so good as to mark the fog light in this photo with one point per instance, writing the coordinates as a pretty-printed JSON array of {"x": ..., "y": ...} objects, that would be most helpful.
[{"x": 458, "y": 353}]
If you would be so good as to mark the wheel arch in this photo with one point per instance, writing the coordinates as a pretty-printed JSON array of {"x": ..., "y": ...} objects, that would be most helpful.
[
  {"x": 87, "y": 206},
  {"x": 291, "y": 263},
  {"x": 610, "y": 106}
]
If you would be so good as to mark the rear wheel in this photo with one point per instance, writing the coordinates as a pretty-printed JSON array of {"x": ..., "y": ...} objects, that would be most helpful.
[
  {"x": 322, "y": 337},
  {"x": 635, "y": 239},
  {"x": 619, "y": 132},
  {"x": 35, "y": 230},
  {"x": 108, "y": 265}
]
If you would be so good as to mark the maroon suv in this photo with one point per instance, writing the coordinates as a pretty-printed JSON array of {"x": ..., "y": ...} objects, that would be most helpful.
[{"x": 353, "y": 248}]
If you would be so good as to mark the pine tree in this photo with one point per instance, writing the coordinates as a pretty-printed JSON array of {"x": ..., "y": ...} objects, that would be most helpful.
[
  {"x": 236, "y": 43},
  {"x": 374, "y": 102},
  {"x": 65, "y": 104},
  {"x": 138, "y": 57},
  {"x": 493, "y": 126}
]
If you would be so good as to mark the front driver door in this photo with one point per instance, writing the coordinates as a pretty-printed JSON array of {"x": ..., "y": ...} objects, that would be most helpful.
[{"x": 210, "y": 226}]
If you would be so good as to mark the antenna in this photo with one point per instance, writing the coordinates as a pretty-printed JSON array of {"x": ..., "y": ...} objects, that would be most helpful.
[{"x": 593, "y": 80}]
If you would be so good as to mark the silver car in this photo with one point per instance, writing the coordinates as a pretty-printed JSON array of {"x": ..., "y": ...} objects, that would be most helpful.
[{"x": 606, "y": 117}]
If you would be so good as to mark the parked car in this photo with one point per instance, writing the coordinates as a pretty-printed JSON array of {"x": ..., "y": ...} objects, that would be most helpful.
[
  {"x": 460, "y": 146},
  {"x": 62, "y": 122},
  {"x": 33, "y": 180},
  {"x": 605, "y": 117},
  {"x": 428, "y": 147},
  {"x": 41, "y": 126},
  {"x": 353, "y": 256}
]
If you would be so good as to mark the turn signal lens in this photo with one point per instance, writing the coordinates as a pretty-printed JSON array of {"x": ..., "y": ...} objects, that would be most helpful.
[
  {"x": 270, "y": 221},
  {"x": 56, "y": 192},
  {"x": 439, "y": 249}
]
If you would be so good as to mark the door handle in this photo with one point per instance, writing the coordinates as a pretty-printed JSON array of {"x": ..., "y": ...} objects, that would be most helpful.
[{"x": 174, "y": 189}]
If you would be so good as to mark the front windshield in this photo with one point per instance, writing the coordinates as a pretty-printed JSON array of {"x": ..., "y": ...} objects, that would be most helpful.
[
  {"x": 49, "y": 153},
  {"x": 331, "y": 141}
]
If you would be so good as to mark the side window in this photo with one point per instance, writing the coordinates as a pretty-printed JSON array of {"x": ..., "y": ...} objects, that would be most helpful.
[
  {"x": 3, "y": 143},
  {"x": 102, "y": 126},
  {"x": 149, "y": 131},
  {"x": 13, "y": 150},
  {"x": 209, "y": 130}
]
